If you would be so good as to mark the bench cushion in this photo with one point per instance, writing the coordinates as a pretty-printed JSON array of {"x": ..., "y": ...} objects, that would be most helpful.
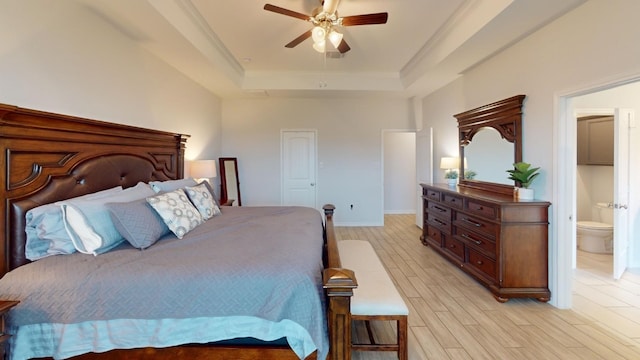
[{"x": 376, "y": 294}]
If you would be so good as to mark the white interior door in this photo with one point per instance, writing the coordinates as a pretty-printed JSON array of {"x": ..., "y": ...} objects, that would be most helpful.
[
  {"x": 299, "y": 168},
  {"x": 622, "y": 120}
]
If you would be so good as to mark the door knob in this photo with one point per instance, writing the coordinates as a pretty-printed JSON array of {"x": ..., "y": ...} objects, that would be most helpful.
[
  {"x": 313, "y": 184},
  {"x": 620, "y": 206}
]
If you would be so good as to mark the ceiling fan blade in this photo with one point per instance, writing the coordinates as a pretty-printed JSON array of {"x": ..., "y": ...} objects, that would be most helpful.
[
  {"x": 343, "y": 47},
  {"x": 283, "y": 11},
  {"x": 367, "y": 19},
  {"x": 299, "y": 39}
]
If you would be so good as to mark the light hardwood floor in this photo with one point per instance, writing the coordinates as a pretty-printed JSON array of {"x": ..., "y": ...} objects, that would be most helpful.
[{"x": 453, "y": 317}]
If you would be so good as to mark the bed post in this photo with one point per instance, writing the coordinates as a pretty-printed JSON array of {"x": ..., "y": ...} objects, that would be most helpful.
[{"x": 339, "y": 284}]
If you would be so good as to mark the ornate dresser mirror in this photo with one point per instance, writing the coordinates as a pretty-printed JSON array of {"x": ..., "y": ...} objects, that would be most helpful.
[{"x": 490, "y": 140}]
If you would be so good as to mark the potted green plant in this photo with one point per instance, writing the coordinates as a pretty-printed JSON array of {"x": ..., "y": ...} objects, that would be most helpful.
[
  {"x": 469, "y": 174},
  {"x": 523, "y": 174},
  {"x": 451, "y": 176}
]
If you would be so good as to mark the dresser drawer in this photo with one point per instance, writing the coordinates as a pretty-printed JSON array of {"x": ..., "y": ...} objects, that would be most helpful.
[
  {"x": 482, "y": 263},
  {"x": 434, "y": 236},
  {"x": 454, "y": 247},
  {"x": 438, "y": 222},
  {"x": 482, "y": 209},
  {"x": 439, "y": 210},
  {"x": 477, "y": 241},
  {"x": 453, "y": 201},
  {"x": 432, "y": 194},
  {"x": 477, "y": 225}
]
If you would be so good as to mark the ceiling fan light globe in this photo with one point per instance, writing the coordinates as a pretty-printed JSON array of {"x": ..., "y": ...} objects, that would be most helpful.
[
  {"x": 318, "y": 34},
  {"x": 320, "y": 46},
  {"x": 335, "y": 38}
]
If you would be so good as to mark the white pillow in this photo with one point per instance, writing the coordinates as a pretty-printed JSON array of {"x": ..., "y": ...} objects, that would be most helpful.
[
  {"x": 176, "y": 211},
  {"x": 170, "y": 185},
  {"x": 203, "y": 200},
  {"x": 89, "y": 224}
]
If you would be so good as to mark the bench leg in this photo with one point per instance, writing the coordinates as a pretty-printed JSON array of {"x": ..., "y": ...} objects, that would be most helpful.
[
  {"x": 401, "y": 345},
  {"x": 403, "y": 337}
]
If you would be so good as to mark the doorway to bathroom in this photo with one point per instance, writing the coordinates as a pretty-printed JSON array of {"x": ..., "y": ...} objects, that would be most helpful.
[
  {"x": 599, "y": 288},
  {"x": 609, "y": 95},
  {"x": 602, "y": 183},
  {"x": 595, "y": 137}
]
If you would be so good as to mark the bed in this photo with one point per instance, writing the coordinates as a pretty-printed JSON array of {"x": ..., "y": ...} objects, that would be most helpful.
[{"x": 49, "y": 158}]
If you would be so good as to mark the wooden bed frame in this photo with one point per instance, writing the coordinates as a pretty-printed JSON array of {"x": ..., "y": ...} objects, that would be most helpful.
[{"x": 49, "y": 157}]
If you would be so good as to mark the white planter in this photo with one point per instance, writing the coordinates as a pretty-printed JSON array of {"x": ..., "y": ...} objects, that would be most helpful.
[
  {"x": 525, "y": 194},
  {"x": 452, "y": 182}
]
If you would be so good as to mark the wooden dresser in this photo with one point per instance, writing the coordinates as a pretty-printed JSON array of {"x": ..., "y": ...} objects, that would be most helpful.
[{"x": 500, "y": 242}]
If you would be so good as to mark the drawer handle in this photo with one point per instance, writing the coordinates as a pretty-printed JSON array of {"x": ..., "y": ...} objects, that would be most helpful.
[
  {"x": 476, "y": 224},
  {"x": 440, "y": 209},
  {"x": 440, "y": 222},
  {"x": 479, "y": 262},
  {"x": 466, "y": 236},
  {"x": 453, "y": 246}
]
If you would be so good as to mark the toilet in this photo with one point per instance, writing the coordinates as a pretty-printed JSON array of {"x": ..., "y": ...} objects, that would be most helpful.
[{"x": 596, "y": 236}]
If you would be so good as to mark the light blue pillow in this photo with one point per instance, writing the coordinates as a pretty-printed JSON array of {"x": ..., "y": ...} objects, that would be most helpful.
[
  {"x": 170, "y": 185},
  {"x": 89, "y": 224},
  {"x": 46, "y": 234}
]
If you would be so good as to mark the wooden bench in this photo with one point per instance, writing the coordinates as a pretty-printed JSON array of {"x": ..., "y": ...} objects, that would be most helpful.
[{"x": 376, "y": 297}]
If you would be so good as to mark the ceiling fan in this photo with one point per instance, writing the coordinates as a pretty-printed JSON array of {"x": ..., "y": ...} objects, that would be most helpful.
[{"x": 325, "y": 18}]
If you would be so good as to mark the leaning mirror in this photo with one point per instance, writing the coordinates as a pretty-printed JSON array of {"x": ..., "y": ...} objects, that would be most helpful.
[
  {"x": 229, "y": 182},
  {"x": 490, "y": 142}
]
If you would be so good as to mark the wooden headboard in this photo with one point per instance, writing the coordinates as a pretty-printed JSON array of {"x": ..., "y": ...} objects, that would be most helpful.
[{"x": 50, "y": 157}]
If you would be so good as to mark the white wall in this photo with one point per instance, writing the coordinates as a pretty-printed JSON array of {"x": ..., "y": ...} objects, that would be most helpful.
[
  {"x": 592, "y": 44},
  {"x": 57, "y": 56},
  {"x": 349, "y": 148},
  {"x": 438, "y": 111},
  {"x": 399, "y": 172}
]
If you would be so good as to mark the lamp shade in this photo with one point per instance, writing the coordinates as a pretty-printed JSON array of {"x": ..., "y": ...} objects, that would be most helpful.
[
  {"x": 200, "y": 169},
  {"x": 449, "y": 163}
]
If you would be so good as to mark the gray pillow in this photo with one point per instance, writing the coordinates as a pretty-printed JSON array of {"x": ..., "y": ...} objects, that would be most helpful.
[{"x": 137, "y": 222}]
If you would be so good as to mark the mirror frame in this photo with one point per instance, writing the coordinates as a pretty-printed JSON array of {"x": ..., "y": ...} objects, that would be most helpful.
[
  {"x": 223, "y": 180},
  {"x": 506, "y": 117}
]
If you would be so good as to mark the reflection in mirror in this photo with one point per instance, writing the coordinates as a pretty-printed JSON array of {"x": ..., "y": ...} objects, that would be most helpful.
[
  {"x": 489, "y": 156},
  {"x": 229, "y": 182}
]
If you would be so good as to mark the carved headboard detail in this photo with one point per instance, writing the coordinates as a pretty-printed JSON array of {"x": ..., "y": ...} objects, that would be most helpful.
[{"x": 49, "y": 157}]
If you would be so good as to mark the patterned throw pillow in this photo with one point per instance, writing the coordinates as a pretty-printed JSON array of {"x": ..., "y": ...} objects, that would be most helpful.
[
  {"x": 203, "y": 200},
  {"x": 176, "y": 211}
]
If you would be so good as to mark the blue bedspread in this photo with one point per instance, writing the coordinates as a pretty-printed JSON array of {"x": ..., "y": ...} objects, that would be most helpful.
[{"x": 263, "y": 262}]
